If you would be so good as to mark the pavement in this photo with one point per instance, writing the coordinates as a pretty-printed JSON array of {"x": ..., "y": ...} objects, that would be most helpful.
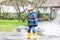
[
  {"x": 46, "y": 31},
  {"x": 8, "y": 36},
  {"x": 50, "y": 28}
]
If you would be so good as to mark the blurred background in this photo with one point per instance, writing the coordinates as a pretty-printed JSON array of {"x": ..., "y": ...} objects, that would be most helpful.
[{"x": 14, "y": 12}]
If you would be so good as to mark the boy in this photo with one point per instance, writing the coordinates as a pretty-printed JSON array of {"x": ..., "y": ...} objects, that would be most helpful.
[{"x": 32, "y": 23}]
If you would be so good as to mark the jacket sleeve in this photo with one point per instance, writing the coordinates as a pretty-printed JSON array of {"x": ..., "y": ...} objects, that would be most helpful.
[
  {"x": 35, "y": 15},
  {"x": 35, "y": 19}
]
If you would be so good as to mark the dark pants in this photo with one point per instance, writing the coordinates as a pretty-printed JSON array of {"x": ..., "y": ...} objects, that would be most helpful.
[{"x": 33, "y": 29}]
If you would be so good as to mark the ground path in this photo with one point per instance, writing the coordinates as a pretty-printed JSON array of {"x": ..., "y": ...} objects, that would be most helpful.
[{"x": 48, "y": 31}]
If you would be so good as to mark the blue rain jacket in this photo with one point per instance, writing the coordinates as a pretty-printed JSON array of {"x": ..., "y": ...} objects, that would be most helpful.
[{"x": 32, "y": 19}]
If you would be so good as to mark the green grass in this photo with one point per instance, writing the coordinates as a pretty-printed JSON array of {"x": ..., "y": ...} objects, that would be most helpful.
[{"x": 9, "y": 25}]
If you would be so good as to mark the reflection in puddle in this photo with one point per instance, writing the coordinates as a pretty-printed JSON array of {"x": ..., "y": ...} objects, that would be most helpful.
[
  {"x": 32, "y": 39},
  {"x": 28, "y": 38}
]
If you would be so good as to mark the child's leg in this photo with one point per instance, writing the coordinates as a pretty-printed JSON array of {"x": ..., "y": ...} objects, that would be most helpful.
[
  {"x": 29, "y": 29},
  {"x": 29, "y": 34},
  {"x": 34, "y": 31}
]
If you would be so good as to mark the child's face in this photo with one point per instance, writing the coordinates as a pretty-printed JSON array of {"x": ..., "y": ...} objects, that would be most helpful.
[{"x": 30, "y": 11}]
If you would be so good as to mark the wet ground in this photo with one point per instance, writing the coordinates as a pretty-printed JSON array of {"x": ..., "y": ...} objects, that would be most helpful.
[
  {"x": 46, "y": 31},
  {"x": 8, "y": 36}
]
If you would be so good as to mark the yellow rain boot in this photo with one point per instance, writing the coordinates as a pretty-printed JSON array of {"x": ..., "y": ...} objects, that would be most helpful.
[
  {"x": 28, "y": 35},
  {"x": 35, "y": 35}
]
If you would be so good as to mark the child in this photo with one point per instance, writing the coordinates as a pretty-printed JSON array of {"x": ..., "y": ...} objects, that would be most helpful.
[{"x": 32, "y": 23}]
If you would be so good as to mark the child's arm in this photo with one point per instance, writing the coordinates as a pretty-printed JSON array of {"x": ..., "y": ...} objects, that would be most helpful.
[
  {"x": 35, "y": 19},
  {"x": 33, "y": 16}
]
